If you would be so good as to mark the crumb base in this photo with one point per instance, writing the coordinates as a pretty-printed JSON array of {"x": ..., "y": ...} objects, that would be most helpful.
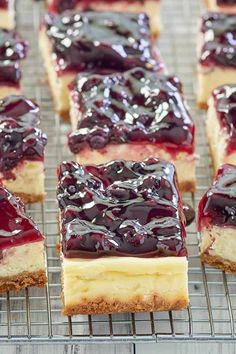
[
  {"x": 65, "y": 115},
  {"x": 189, "y": 186},
  {"x": 30, "y": 198},
  {"x": 23, "y": 280},
  {"x": 202, "y": 105},
  {"x": 107, "y": 306},
  {"x": 218, "y": 262}
]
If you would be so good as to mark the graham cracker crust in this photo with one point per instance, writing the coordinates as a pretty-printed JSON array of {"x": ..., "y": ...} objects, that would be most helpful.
[
  {"x": 23, "y": 280},
  {"x": 189, "y": 186},
  {"x": 202, "y": 105},
  {"x": 65, "y": 115},
  {"x": 30, "y": 198},
  {"x": 105, "y": 306},
  {"x": 218, "y": 262}
]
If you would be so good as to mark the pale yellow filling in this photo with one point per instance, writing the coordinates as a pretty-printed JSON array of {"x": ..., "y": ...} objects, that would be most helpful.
[
  {"x": 58, "y": 84},
  {"x": 26, "y": 258},
  {"x": 7, "y": 17},
  {"x": 9, "y": 90},
  {"x": 210, "y": 79},
  {"x": 124, "y": 278},
  {"x": 217, "y": 139},
  {"x": 29, "y": 178},
  {"x": 220, "y": 242}
]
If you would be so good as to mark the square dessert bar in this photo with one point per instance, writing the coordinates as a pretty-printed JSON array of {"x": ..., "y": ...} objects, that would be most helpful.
[
  {"x": 22, "y": 146},
  {"x": 12, "y": 49},
  {"x": 221, "y": 125},
  {"x": 21, "y": 246},
  {"x": 103, "y": 42},
  {"x": 150, "y": 7},
  {"x": 136, "y": 114},
  {"x": 217, "y": 57},
  {"x": 7, "y": 14},
  {"x": 122, "y": 238},
  {"x": 227, "y": 6},
  {"x": 217, "y": 221}
]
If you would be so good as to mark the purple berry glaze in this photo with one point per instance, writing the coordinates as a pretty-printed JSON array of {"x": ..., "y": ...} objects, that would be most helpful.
[
  {"x": 20, "y": 137},
  {"x": 4, "y": 4},
  {"x": 225, "y": 105},
  {"x": 62, "y": 5},
  {"x": 219, "y": 40},
  {"x": 218, "y": 205},
  {"x": 135, "y": 106},
  {"x": 121, "y": 208},
  {"x": 12, "y": 49},
  {"x": 226, "y": 2},
  {"x": 100, "y": 41},
  {"x": 16, "y": 228}
]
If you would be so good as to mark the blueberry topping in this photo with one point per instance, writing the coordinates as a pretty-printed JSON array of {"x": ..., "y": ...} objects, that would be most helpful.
[
  {"x": 16, "y": 228},
  {"x": 12, "y": 49},
  {"x": 225, "y": 105},
  {"x": 218, "y": 205},
  {"x": 219, "y": 40},
  {"x": 121, "y": 208},
  {"x": 101, "y": 41},
  {"x": 135, "y": 106},
  {"x": 226, "y": 2},
  {"x": 20, "y": 137}
]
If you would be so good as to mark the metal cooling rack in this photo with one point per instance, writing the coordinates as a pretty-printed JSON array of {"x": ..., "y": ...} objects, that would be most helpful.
[{"x": 34, "y": 315}]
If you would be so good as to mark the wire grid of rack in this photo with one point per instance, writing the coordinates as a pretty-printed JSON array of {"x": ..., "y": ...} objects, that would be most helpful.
[{"x": 34, "y": 315}]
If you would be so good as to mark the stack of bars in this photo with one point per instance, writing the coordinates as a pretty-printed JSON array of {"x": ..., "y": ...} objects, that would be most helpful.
[
  {"x": 217, "y": 91},
  {"x": 22, "y": 145},
  {"x": 105, "y": 70},
  {"x": 216, "y": 49},
  {"x": 122, "y": 217},
  {"x": 13, "y": 48}
]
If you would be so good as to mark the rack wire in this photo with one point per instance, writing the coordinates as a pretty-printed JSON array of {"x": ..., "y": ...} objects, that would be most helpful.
[{"x": 34, "y": 315}]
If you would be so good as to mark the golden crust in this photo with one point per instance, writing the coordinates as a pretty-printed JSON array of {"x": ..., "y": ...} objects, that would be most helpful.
[
  {"x": 104, "y": 306},
  {"x": 65, "y": 115},
  {"x": 202, "y": 105},
  {"x": 23, "y": 280},
  {"x": 189, "y": 186},
  {"x": 218, "y": 262},
  {"x": 30, "y": 198}
]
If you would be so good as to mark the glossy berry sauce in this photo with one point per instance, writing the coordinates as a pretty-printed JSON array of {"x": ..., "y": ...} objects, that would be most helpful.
[
  {"x": 225, "y": 106},
  {"x": 4, "y": 4},
  {"x": 12, "y": 49},
  {"x": 225, "y": 2},
  {"x": 121, "y": 208},
  {"x": 62, "y": 5},
  {"x": 219, "y": 40},
  {"x": 218, "y": 205},
  {"x": 100, "y": 41},
  {"x": 15, "y": 227},
  {"x": 135, "y": 106},
  {"x": 20, "y": 137}
]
